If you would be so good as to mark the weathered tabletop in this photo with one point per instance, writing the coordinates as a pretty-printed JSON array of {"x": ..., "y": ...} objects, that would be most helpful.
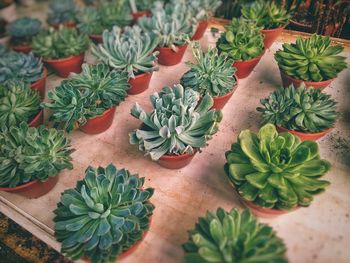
[{"x": 320, "y": 233}]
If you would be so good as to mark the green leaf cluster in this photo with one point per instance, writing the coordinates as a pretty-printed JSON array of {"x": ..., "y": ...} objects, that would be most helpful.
[
  {"x": 61, "y": 11},
  {"x": 104, "y": 215},
  {"x": 23, "y": 29},
  {"x": 144, "y": 5},
  {"x": 203, "y": 9}
]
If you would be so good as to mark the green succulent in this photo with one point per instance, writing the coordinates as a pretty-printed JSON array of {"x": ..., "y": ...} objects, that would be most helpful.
[
  {"x": 233, "y": 237},
  {"x": 128, "y": 50},
  {"x": 266, "y": 14},
  {"x": 178, "y": 124},
  {"x": 301, "y": 109},
  {"x": 276, "y": 170},
  {"x": 61, "y": 11},
  {"x": 89, "y": 21},
  {"x": 203, "y": 9},
  {"x": 22, "y": 30},
  {"x": 61, "y": 43},
  {"x": 142, "y": 5},
  {"x": 115, "y": 13},
  {"x": 3, "y": 50},
  {"x": 104, "y": 215},
  {"x": 18, "y": 103},
  {"x": 212, "y": 74},
  {"x": 311, "y": 59},
  {"x": 86, "y": 95},
  {"x": 28, "y": 154},
  {"x": 17, "y": 65},
  {"x": 241, "y": 41}
]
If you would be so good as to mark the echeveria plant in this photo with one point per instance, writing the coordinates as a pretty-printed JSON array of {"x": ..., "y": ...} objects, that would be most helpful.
[
  {"x": 203, "y": 9},
  {"x": 61, "y": 11},
  {"x": 22, "y": 30}
]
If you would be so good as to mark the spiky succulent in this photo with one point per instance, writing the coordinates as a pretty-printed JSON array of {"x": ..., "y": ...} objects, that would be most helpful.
[
  {"x": 233, "y": 237},
  {"x": 28, "y": 154},
  {"x": 178, "y": 124},
  {"x": 18, "y": 103},
  {"x": 301, "y": 109},
  {"x": 104, "y": 215},
  {"x": 22, "y": 30},
  {"x": 241, "y": 41},
  {"x": 128, "y": 50},
  {"x": 61, "y": 43},
  {"x": 17, "y": 65},
  {"x": 89, "y": 21},
  {"x": 311, "y": 59},
  {"x": 203, "y": 9},
  {"x": 276, "y": 170},
  {"x": 212, "y": 74},
  {"x": 115, "y": 13},
  {"x": 266, "y": 14},
  {"x": 86, "y": 95},
  {"x": 61, "y": 11}
]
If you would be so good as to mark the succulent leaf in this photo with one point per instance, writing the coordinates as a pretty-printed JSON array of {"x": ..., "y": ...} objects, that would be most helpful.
[
  {"x": 23, "y": 29},
  {"x": 61, "y": 11}
]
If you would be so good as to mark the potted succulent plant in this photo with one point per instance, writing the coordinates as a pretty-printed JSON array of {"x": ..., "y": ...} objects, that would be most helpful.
[
  {"x": 19, "y": 104},
  {"x": 62, "y": 12},
  {"x": 130, "y": 51},
  {"x": 268, "y": 16},
  {"x": 275, "y": 173},
  {"x": 31, "y": 159},
  {"x": 233, "y": 237},
  {"x": 307, "y": 113},
  {"x": 313, "y": 61},
  {"x": 243, "y": 42},
  {"x": 178, "y": 126},
  {"x": 88, "y": 101},
  {"x": 105, "y": 216},
  {"x": 4, "y": 38},
  {"x": 62, "y": 49},
  {"x": 26, "y": 67},
  {"x": 212, "y": 74},
  {"x": 140, "y": 8},
  {"x": 22, "y": 31},
  {"x": 174, "y": 25},
  {"x": 8, "y": 10}
]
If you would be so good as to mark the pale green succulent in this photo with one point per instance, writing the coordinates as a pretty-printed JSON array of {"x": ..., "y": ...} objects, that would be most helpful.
[
  {"x": 22, "y": 30},
  {"x": 115, "y": 13},
  {"x": 203, "y": 9},
  {"x": 61, "y": 11}
]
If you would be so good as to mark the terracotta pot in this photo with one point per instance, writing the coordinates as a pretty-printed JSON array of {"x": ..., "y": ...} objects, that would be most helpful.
[
  {"x": 37, "y": 120},
  {"x": 140, "y": 83},
  {"x": 176, "y": 161},
  {"x": 40, "y": 85},
  {"x": 270, "y": 35},
  {"x": 139, "y": 14},
  {"x": 100, "y": 123},
  {"x": 244, "y": 68},
  {"x": 33, "y": 189},
  {"x": 97, "y": 39},
  {"x": 201, "y": 28},
  {"x": 314, "y": 136},
  {"x": 288, "y": 80},
  {"x": 69, "y": 24},
  {"x": 22, "y": 48},
  {"x": 265, "y": 212},
  {"x": 63, "y": 67},
  {"x": 220, "y": 101},
  {"x": 169, "y": 57}
]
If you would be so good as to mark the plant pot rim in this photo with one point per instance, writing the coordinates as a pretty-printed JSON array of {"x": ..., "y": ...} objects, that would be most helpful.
[
  {"x": 43, "y": 75},
  {"x": 273, "y": 29},
  {"x": 21, "y": 46},
  {"x": 307, "y": 81},
  {"x": 173, "y": 156},
  {"x": 64, "y": 23},
  {"x": 229, "y": 93},
  {"x": 36, "y": 117},
  {"x": 62, "y": 59},
  {"x": 19, "y": 187},
  {"x": 167, "y": 48},
  {"x": 138, "y": 76},
  {"x": 306, "y": 133},
  {"x": 252, "y": 59}
]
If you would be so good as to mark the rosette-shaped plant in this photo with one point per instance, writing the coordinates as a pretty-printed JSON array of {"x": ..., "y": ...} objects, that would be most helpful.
[
  {"x": 89, "y": 21},
  {"x": 241, "y": 41},
  {"x": 104, "y": 215},
  {"x": 203, "y": 9},
  {"x": 23, "y": 30},
  {"x": 212, "y": 74},
  {"x": 61, "y": 43},
  {"x": 178, "y": 124},
  {"x": 276, "y": 170},
  {"x": 128, "y": 51},
  {"x": 301, "y": 109},
  {"x": 28, "y": 154},
  {"x": 233, "y": 237},
  {"x": 61, "y": 11},
  {"x": 115, "y": 13},
  {"x": 86, "y": 95},
  {"x": 266, "y": 14},
  {"x": 17, "y": 103},
  {"x": 311, "y": 59},
  {"x": 16, "y": 65}
]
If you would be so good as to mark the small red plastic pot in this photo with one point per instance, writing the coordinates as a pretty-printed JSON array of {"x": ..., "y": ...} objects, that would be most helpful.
[
  {"x": 265, "y": 212},
  {"x": 244, "y": 68},
  {"x": 305, "y": 136},
  {"x": 100, "y": 123},
  {"x": 22, "y": 48},
  {"x": 220, "y": 101},
  {"x": 169, "y": 57},
  {"x": 63, "y": 67},
  {"x": 139, "y": 14},
  {"x": 37, "y": 120},
  {"x": 140, "y": 83},
  {"x": 97, "y": 39},
  {"x": 270, "y": 35},
  {"x": 40, "y": 85},
  {"x": 33, "y": 189},
  {"x": 202, "y": 26},
  {"x": 69, "y": 24},
  {"x": 288, "y": 80},
  {"x": 176, "y": 161}
]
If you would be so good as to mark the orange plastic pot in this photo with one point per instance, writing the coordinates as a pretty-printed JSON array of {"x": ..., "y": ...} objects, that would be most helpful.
[
  {"x": 176, "y": 161},
  {"x": 221, "y": 101},
  {"x": 69, "y": 24},
  {"x": 140, "y": 83},
  {"x": 33, "y": 189},
  {"x": 63, "y": 67},
  {"x": 139, "y": 14},
  {"x": 22, "y": 48},
  {"x": 244, "y": 68},
  {"x": 169, "y": 57},
  {"x": 288, "y": 80},
  {"x": 270, "y": 36},
  {"x": 40, "y": 85},
  {"x": 37, "y": 120},
  {"x": 304, "y": 136},
  {"x": 202, "y": 26},
  {"x": 97, "y": 39},
  {"x": 100, "y": 123}
]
